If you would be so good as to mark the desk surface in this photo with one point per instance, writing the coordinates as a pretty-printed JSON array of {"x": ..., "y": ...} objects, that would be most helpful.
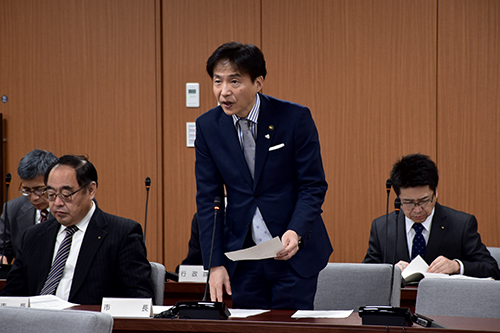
[{"x": 280, "y": 321}]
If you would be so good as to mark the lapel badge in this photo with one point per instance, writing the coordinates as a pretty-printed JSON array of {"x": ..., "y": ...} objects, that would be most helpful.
[
  {"x": 270, "y": 127},
  {"x": 267, "y": 136}
]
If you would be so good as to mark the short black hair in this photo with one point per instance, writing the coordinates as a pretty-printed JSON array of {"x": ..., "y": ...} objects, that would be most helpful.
[
  {"x": 247, "y": 58},
  {"x": 85, "y": 170},
  {"x": 35, "y": 163},
  {"x": 414, "y": 170}
]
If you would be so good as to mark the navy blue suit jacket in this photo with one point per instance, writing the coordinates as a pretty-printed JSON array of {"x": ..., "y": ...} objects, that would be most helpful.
[
  {"x": 112, "y": 261},
  {"x": 453, "y": 235},
  {"x": 289, "y": 185}
]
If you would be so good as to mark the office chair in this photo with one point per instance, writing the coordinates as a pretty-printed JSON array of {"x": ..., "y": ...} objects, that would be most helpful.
[
  {"x": 32, "y": 320},
  {"x": 458, "y": 297},
  {"x": 345, "y": 286},
  {"x": 157, "y": 280}
]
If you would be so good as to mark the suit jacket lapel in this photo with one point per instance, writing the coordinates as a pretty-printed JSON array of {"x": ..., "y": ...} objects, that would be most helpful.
[
  {"x": 438, "y": 231},
  {"x": 230, "y": 135},
  {"x": 92, "y": 241},
  {"x": 47, "y": 239},
  {"x": 402, "y": 239},
  {"x": 27, "y": 218},
  {"x": 265, "y": 136}
]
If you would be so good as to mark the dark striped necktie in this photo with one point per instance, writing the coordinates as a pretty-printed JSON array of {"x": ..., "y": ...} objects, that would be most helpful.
[{"x": 57, "y": 269}]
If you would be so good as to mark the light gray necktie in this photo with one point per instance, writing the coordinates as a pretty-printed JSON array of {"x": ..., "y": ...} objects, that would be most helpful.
[
  {"x": 56, "y": 271},
  {"x": 260, "y": 232}
]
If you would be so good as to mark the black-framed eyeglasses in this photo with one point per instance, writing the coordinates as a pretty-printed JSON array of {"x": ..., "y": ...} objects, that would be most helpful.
[
  {"x": 64, "y": 195},
  {"x": 421, "y": 203},
  {"x": 27, "y": 191}
]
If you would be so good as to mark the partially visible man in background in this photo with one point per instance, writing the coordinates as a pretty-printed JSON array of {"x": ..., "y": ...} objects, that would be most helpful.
[{"x": 30, "y": 208}]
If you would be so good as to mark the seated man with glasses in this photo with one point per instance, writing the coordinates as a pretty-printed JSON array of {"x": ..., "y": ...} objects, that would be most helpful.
[
  {"x": 445, "y": 238},
  {"x": 30, "y": 208},
  {"x": 82, "y": 254}
]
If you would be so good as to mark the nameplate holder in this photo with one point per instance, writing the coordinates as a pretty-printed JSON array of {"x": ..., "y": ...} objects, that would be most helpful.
[
  {"x": 127, "y": 307},
  {"x": 15, "y": 301},
  {"x": 192, "y": 273}
]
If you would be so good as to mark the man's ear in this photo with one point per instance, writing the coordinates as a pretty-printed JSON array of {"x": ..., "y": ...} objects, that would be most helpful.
[
  {"x": 259, "y": 81},
  {"x": 92, "y": 188}
]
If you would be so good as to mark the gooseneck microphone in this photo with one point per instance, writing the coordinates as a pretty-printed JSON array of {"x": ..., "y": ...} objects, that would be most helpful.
[
  {"x": 388, "y": 184},
  {"x": 148, "y": 184},
  {"x": 216, "y": 210},
  {"x": 8, "y": 178},
  {"x": 200, "y": 309},
  {"x": 397, "y": 207}
]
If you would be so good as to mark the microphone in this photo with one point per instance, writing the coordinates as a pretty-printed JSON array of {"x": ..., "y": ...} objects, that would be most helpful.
[
  {"x": 388, "y": 184},
  {"x": 148, "y": 184},
  {"x": 8, "y": 178},
  {"x": 397, "y": 207},
  {"x": 216, "y": 210},
  {"x": 204, "y": 309},
  {"x": 388, "y": 315}
]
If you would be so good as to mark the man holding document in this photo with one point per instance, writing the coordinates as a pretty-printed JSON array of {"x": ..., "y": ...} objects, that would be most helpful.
[
  {"x": 266, "y": 153},
  {"x": 445, "y": 238}
]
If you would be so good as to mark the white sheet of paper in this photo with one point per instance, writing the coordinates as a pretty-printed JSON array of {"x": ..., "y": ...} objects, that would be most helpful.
[
  {"x": 322, "y": 314},
  {"x": 417, "y": 265},
  {"x": 49, "y": 302},
  {"x": 243, "y": 313},
  {"x": 264, "y": 250},
  {"x": 160, "y": 308}
]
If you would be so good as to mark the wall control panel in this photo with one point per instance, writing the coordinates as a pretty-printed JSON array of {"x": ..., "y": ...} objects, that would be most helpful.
[{"x": 192, "y": 95}]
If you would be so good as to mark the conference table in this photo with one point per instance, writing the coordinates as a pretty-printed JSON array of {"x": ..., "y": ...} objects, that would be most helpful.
[{"x": 280, "y": 321}]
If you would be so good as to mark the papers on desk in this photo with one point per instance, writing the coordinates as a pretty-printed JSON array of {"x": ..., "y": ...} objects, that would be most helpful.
[
  {"x": 322, "y": 314},
  {"x": 264, "y": 250},
  {"x": 51, "y": 302},
  {"x": 417, "y": 270},
  {"x": 244, "y": 313}
]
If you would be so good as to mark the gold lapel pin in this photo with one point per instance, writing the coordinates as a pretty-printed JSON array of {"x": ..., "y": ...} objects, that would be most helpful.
[{"x": 270, "y": 127}]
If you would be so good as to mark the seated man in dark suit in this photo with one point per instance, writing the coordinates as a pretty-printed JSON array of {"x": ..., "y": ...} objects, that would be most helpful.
[
  {"x": 445, "y": 238},
  {"x": 83, "y": 254},
  {"x": 194, "y": 252},
  {"x": 28, "y": 209}
]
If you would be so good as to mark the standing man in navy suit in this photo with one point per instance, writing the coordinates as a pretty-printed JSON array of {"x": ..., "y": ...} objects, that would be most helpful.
[
  {"x": 30, "y": 208},
  {"x": 277, "y": 192},
  {"x": 107, "y": 256},
  {"x": 450, "y": 242}
]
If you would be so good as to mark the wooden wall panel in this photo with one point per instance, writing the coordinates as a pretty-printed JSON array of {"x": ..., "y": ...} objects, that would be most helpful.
[
  {"x": 81, "y": 77},
  {"x": 367, "y": 70},
  {"x": 192, "y": 30},
  {"x": 469, "y": 110}
]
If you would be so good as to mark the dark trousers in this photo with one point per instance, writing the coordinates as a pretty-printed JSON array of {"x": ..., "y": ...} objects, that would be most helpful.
[{"x": 271, "y": 284}]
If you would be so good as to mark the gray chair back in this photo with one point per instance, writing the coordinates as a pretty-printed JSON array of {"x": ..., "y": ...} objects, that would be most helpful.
[
  {"x": 457, "y": 297},
  {"x": 157, "y": 280},
  {"x": 495, "y": 253},
  {"x": 345, "y": 286},
  {"x": 30, "y": 320}
]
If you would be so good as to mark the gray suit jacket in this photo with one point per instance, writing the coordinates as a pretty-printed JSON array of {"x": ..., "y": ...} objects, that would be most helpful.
[
  {"x": 21, "y": 215},
  {"x": 453, "y": 235}
]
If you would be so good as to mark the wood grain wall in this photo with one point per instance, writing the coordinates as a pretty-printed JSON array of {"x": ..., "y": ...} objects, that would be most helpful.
[
  {"x": 81, "y": 77},
  {"x": 382, "y": 79},
  {"x": 469, "y": 110}
]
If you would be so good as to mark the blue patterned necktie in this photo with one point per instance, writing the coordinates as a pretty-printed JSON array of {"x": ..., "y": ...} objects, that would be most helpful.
[
  {"x": 56, "y": 271},
  {"x": 260, "y": 232},
  {"x": 418, "y": 241}
]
